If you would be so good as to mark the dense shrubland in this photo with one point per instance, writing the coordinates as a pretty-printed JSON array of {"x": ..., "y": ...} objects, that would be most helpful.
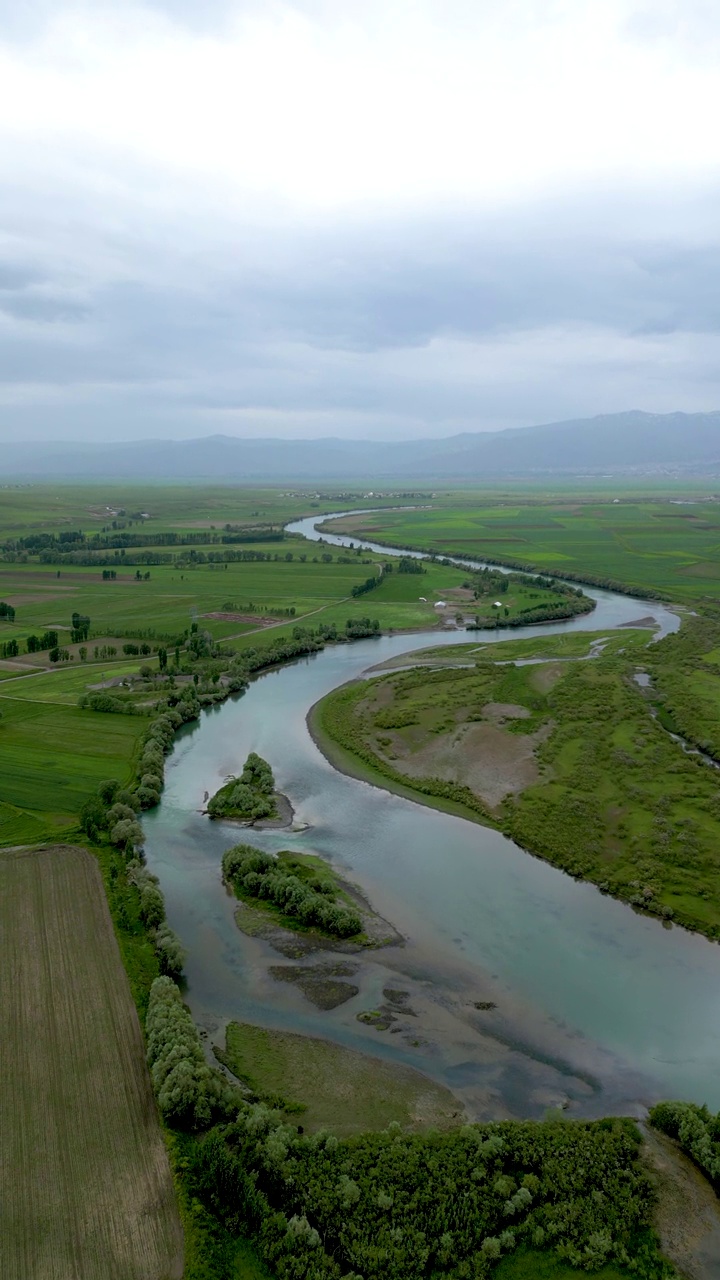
[
  {"x": 111, "y": 815},
  {"x": 258, "y": 875},
  {"x": 408, "y": 1207}
]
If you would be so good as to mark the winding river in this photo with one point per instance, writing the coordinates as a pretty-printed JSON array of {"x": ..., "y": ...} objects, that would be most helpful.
[{"x": 586, "y": 1004}]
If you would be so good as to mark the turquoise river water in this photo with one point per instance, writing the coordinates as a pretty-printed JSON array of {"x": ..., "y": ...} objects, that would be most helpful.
[{"x": 597, "y": 1008}]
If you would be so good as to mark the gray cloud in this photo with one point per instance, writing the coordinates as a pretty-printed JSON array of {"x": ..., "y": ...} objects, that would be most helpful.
[{"x": 139, "y": 302}]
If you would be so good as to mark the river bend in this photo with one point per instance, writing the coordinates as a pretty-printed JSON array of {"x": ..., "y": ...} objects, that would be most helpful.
[{"x": 597, "y": 1008}]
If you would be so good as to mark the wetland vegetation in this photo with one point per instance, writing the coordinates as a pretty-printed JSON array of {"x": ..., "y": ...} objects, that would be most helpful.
[{"x": 572, "y": 759}]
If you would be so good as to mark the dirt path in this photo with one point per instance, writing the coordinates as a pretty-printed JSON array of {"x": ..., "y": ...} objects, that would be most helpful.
[{"x": 688, "y": 1214}]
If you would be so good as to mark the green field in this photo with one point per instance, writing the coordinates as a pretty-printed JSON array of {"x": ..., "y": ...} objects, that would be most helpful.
[
  {"x": 669, "y": 547},
  {"x": 530, "y": 1265},
  {"x": 52, "y": 757},
  {"x": 84, "y": 1177},
  {"x": 334, "y": 1087}
]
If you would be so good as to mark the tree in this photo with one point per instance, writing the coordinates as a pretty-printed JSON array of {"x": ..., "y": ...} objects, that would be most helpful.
[
  {"x": 126, "y": 834},
  {"x": 169, "y": 950},
  {"x": 108, "y": 789},
  {"x": 93, "y": 817}
]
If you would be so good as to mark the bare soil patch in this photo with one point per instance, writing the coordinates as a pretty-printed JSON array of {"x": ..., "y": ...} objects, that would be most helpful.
[
  {"x": 255, "y": 619},
  {"x": 85, "y": 1184},
  {"x": 485, "y": 757},
  {"x": 687, "y": 1217},
  {"x": 499, "y": 712},
  {"x": 546, "y": 675}
]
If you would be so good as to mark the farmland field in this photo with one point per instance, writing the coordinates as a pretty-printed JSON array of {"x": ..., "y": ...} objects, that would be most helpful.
[
  {"x": 52, "y": 757},
  {"x": 671, "y": 547},
  {"x": 85, "y": 1184}
]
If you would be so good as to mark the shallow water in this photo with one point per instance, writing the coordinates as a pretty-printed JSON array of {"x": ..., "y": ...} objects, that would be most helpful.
[{"x": 594, "y": 1000}]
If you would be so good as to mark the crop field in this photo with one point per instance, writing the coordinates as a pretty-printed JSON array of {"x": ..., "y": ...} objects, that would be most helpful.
[
  {"x": 85, "y": 1184},
  {"x": 45, "y": 507},
  {"x": 671, "y": 547},
  {"x": 52, "y": 757},
  {"x": 173, "y": 597}
]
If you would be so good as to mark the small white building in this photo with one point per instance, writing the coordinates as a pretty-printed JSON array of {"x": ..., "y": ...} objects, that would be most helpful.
[{"x": 440, "y": 604}]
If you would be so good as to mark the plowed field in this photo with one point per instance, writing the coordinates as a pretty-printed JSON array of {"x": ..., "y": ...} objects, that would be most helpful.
[{"x": 85, "y": 1187}]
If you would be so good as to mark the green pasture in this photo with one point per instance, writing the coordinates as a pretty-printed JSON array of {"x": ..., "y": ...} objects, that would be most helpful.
[
  {"x": 568, "y": 645},
  {"x": 52, "y": 757},
  {"x": 328, "y": 1086},
  {"x": 670, "y": 547},
  {"x": 52, "y": 508}
]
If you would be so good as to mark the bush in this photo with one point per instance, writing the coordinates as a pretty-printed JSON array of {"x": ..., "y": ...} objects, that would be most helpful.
[
  {"x": 126, "y": 834},
  {"x": 169, "y": 950},
  {"x": 697, "y": 1131}
]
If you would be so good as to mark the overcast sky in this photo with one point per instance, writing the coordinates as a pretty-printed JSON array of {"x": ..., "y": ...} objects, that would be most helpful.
[{"x": 363, "y": 218}]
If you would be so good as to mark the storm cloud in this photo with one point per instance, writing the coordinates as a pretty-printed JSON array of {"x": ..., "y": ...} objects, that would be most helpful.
[{"x": 364, "y": 220}]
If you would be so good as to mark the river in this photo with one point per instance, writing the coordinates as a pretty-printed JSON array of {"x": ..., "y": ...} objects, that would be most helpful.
[{"x": 597, "y": 1008}]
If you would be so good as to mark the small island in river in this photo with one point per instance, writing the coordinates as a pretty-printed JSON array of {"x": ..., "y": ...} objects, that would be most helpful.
[{"x": 251, "y": 798}]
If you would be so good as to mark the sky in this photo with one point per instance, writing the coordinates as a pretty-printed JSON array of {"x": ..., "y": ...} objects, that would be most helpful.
[{"x": 377, "y": 219}]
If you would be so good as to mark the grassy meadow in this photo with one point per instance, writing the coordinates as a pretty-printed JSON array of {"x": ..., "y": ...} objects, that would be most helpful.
[
  {"x": 84, "y": 1177},
  {"x": 52, "y": 757},
  {"x": 572, "y": 759},
  {"x": 330, "y": 1087}
]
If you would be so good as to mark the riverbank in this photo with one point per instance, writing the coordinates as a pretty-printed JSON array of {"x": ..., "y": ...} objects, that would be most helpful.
[
  {"x": 355, "y": 766},
  {"x": 565, "y": 758}
]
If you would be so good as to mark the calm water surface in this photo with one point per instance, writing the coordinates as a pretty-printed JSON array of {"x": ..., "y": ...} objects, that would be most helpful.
[{"x": 636, "y": 1004}]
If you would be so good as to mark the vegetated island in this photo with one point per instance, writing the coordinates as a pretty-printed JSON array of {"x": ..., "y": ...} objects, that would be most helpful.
[
  {"x": 300, "y": 904},
  {"x": 573, "y": 760},
  {"x": 252, "y": 798}
]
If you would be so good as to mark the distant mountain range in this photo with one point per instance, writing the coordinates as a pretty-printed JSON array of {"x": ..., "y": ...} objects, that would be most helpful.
[{"x": 687, "y": 443}]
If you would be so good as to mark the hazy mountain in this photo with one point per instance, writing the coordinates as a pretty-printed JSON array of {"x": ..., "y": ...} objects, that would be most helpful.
[{"x": 635, "y": 441}]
